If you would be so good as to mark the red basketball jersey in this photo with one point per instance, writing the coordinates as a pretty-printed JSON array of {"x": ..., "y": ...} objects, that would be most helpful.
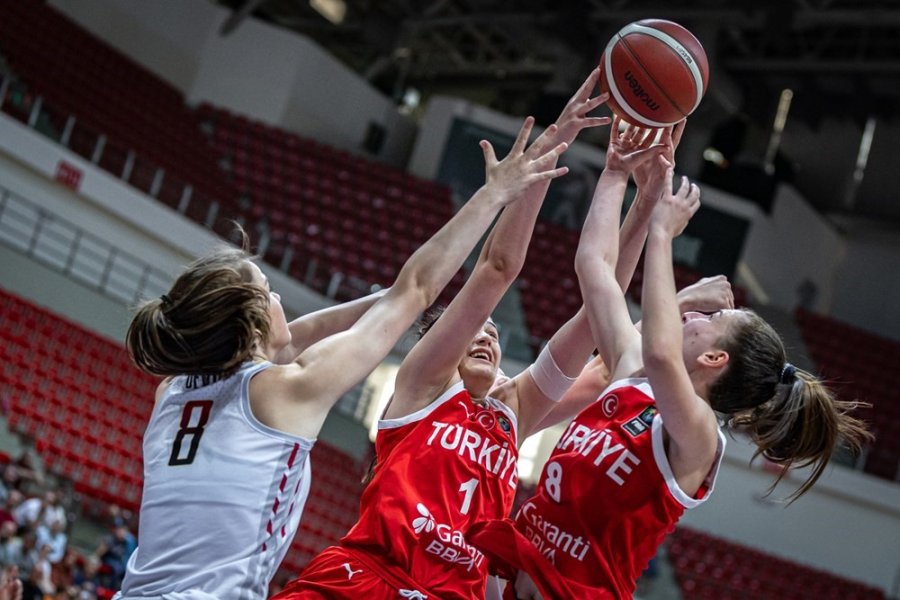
[
  {"x": 607, "y": 496},
  {"x": 439, "y": 470}
]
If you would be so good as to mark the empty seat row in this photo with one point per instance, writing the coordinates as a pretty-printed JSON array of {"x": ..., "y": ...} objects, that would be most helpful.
[{"x": 708, "y": 567}]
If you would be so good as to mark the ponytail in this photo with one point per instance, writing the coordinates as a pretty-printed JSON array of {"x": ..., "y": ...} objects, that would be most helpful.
[
  {"x": 794, "y": 419},
  {"x": 209, "y": 323}
]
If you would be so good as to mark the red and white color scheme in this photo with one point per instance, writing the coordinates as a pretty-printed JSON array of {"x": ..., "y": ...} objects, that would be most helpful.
[
  {"x": 223, "y": 494},
  {"x": 439, "y": 470},
  {"x": 605, "y": 501},
  {"x": 655, "y": 71}
]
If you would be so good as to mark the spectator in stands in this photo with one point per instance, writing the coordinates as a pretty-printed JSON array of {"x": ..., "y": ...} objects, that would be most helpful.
[
  {"x": 630, "y": 464},
  {"x": 447, "y": 445},
  {"x": 28, "y": 553},
  {"x": 84, "y": 575},
  {"x": 10, "y": 545},
  {"x": 114, "y": 551},
  {"x": 8, "y": 506},
  {"x": 52, "y": 510},
  {"x": 55, "y": 537},
  {"x": 39, "y": 510},
  {"x": 11, "y": 479},
  {"x": 246, "y": 394},
  {"x": 29, "y": 467},
  {"x": 40, "y": 581},
  {"x": 116, "y": 516}
]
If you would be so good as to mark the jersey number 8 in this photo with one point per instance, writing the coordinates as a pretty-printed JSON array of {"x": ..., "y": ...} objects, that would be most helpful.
[{"x": 194, "y": 431}]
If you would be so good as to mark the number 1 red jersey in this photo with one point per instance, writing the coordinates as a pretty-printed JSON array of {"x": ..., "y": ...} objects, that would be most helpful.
[{"x": 439, "y": 470}]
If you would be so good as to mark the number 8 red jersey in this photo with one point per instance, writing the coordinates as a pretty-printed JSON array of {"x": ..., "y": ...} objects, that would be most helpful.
[
  {"x": 439, "y": 470},
  {"x": 606, "y": 499}
]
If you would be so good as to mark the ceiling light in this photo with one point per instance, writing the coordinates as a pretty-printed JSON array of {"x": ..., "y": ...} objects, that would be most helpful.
[{"x": 333, "y": 10}]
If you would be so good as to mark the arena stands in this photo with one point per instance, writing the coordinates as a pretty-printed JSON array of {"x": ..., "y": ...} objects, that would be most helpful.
[
  {"x": 710, "y": 568},
  {"x": 88, "y": 422},
  {"x": 333, "y": 220},
  {"x": 859, "y": 364}
]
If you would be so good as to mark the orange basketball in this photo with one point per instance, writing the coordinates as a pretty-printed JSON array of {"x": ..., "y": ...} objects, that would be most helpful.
[{"x": 656, "y": 72}]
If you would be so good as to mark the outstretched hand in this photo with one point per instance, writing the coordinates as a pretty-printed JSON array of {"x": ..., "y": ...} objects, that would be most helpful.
[
  {"x": 523, "y": 166},
  {"x": 630, "y": 148},
  {"x": 650, "y": 176},
  {"x": 708, "y": 295},
  {"x": 574, "y": 116},
  {"x": 674, "y": 209}
]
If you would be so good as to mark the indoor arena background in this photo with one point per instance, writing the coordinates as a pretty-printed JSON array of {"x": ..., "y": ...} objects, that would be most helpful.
[{"x": 132, "y": 134}]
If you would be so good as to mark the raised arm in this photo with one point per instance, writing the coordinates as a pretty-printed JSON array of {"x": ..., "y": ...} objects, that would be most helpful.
[
  {"x": 707, "y": 295},
  {"x": 598, "y": 253},
  {"x": 573, "y": 342},
  {"x": 688, "y": 419},
  {"x": 313, "y": 327},
  {"x": 331, "y": 367},
  {"x": 650, "y": 179},
  {"x": 433, "y": 363}
]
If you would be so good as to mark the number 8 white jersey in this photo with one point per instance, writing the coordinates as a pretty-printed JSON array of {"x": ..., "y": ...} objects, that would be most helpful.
[{"x": 223, "y": 494}]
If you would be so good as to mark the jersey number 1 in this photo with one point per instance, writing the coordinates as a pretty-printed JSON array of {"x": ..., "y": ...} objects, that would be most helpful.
[{"x": 194, "y": 431}]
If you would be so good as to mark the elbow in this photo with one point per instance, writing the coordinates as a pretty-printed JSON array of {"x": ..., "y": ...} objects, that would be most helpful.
[
  {"x": 592, "y": 275},
  {"x": 419, "y": 290},
  {"x": 585, "y": 264},
  {"x": 590, "y": 262},
  {"x": 503, "y": 268}
]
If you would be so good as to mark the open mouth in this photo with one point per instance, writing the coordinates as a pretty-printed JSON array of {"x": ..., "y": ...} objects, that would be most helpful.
[{"x": 482, "y": 355}]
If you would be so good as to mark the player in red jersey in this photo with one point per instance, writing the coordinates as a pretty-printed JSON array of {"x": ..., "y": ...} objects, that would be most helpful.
[
  {"x": 629, "y": 465},
  {"x": 448, "y": 443}
]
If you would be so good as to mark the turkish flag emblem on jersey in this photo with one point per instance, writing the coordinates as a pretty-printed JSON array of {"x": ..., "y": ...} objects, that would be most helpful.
[{"x": 610, "y": 404}]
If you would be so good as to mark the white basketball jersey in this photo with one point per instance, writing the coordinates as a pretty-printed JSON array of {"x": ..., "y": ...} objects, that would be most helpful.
[{"x": 223, "y": 494}]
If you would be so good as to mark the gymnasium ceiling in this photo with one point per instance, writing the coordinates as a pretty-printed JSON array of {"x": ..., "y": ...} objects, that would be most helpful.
[{"x": 527, "y": 56}]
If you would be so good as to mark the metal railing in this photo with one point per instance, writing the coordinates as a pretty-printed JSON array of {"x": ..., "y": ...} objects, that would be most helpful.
[{"x": 68, "y": 249}]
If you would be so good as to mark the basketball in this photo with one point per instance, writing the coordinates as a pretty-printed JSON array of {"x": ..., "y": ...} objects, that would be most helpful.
[{"x": 656, "y": 72}]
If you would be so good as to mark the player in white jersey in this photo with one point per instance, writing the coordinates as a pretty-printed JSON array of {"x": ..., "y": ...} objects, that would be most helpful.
[
  {"x": 198, "y": 509},
  {"x": 226, "y": 468}
]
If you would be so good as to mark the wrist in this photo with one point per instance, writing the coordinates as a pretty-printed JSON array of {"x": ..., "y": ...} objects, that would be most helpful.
[
  {"x": 659, "y": 232},
  {"x": 490, "y": 196},
  {"x": 614, "y": 172}
]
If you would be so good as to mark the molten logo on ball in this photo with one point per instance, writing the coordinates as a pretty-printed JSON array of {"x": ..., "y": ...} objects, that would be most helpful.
[
  {"x": 638, "y": 91},
  {"x": 655, "y": 71}
]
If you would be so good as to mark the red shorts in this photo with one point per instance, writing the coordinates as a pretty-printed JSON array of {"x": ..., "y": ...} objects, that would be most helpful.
[{"x": 341, "y": 573}]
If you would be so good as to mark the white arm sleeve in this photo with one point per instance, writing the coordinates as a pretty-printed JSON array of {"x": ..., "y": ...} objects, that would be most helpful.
[{"x": 552, "y": 382}]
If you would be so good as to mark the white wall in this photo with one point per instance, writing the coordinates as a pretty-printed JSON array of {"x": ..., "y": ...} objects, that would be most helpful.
[
  {"x": 166, "y": 37},
  {"x": 872, "y": 261},
  {"x": 793, "y": 244},
  {"x": 108, "y": 208},
  {"x": 259, "y": 70}
]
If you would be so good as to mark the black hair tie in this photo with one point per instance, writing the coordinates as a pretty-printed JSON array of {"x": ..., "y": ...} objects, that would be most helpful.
[
  {"x": 166, "y": 301},
  {"x": 788, "y": 373}
]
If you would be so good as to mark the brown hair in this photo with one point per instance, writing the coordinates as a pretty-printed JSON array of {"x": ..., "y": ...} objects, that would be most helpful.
[
  {"x": 207, "y": 324},
  {"x": 793, "y": 417}
]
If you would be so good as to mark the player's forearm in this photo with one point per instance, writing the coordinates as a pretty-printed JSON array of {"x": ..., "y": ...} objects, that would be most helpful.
[
  {"x": 316, "y": 326},
  {"x": 661, "y": 325},
  {"x": 599, "y": 241},
  {"x": 632, "y": 236},
  {"x": 434, "y": 263},
  {"x": 507, "y": 245}
]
